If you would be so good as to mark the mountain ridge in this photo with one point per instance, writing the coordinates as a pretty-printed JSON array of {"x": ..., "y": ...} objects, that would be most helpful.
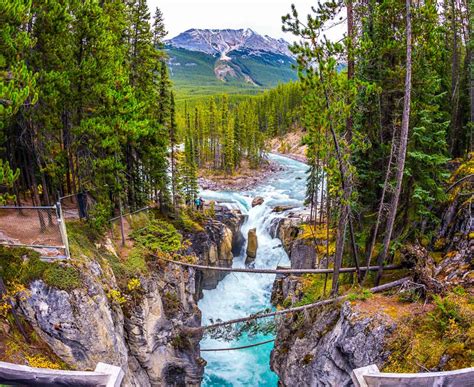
[
  {"x": 233, "y": 61},
  {"x": 224, "y": 41}
]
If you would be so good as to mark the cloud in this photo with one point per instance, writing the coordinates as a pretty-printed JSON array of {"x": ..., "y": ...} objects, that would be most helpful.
[{"x": 263, "y": 16}]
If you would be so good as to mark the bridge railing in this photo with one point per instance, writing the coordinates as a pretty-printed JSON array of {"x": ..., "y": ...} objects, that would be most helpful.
[
  {"x": 370, "y": 376},
  {"x": 104, "y": 375}
]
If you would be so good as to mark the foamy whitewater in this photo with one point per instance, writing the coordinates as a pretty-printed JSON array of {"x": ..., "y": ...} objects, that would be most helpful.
[{"x": 241, "y": 294}]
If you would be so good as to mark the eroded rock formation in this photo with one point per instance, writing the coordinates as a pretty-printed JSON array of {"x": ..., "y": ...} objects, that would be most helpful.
[
  {"x": 216, "y": 246},
  {"x": 151, "y": 335},
  {"x": 252, "y": 246},
  {"x": 323, "y": 348}
]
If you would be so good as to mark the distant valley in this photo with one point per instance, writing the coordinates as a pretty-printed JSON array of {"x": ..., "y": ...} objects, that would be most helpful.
[{"x": 206, "y": 62}]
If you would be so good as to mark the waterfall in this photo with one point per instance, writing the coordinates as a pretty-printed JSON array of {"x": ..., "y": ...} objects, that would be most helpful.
[{"x": 241, "y": 294}]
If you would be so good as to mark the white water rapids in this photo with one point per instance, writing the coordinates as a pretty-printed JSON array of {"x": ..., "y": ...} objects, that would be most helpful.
[{"x": 241, "y": 294}]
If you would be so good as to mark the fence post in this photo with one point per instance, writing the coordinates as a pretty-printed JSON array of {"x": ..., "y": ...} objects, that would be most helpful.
[
  {"x": 122, "y": 230},
  {"x": 62, "y": 229}
]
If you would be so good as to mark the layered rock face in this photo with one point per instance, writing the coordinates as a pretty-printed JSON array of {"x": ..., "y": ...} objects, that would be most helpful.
[
  {"x": 456, "y": 240},
  {"x": 216, "y": 246},
  {"x": 83, "y": 327},
  {"x": 302, "y": 256},
  {"x": 157, "y": 331},
  {"x": 319, "y": 347},
  {"x": 324, "y": 347},
  {"x": 150, "y": 336}
]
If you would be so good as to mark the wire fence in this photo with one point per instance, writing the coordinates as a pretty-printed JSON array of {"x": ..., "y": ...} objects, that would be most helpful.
[
  {"x": 77, "y": 206},
  {"x": 41, "y": 228}
]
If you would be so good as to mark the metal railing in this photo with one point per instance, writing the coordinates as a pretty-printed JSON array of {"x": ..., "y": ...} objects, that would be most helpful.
[
  {"x": 103, "y": 375},
  {"x": 370, "y": 376}
]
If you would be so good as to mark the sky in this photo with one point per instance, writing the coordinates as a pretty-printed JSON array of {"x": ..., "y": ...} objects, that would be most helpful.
[{"x": 262, "y": 16}]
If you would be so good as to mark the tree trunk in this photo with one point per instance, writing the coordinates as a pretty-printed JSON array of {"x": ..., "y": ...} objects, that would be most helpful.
[
  {"x": 455, "y": 122},
  {"x": 382, "y": 203},
  {"x": 402, "y": 150}
]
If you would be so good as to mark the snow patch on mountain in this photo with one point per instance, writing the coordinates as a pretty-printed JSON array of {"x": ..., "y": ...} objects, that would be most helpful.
[{"x": 223, "y": 42}]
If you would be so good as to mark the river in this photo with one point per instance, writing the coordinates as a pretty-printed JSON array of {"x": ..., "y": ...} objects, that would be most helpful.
[{"x": 241, "y": 294}]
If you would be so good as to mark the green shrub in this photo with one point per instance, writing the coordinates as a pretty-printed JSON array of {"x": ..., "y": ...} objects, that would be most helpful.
[
  {"x": 24, "y": 266},
  {"x": 62, "y": 277},
  {"x": 187, "y": 223},
  {"x": 445, "y": 313},
  {"x": 99, "y": 216},
  {"x": 21, "y": 265},
  {"x": 361, "y": 294},
  {"x": 313, "y": 288},
  {"x": 437, "y": 340},
  {"x": 135, "y": 263},
  {"x": 82, "y": 238},
  {"x": 158, "y": 235},
  {"x": 181, "y": 342}
]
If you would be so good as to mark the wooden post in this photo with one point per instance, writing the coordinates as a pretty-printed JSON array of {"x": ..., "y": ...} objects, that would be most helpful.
[
  {"x": 62, "y": 229},
  {"x": 122, "y": 230}
]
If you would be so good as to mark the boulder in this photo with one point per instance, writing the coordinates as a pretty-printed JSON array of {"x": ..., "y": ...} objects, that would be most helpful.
[
  {"x": 302, "y": 255},
  {"x": 252, "y": 245},
  {"x": 278, "y": 209},
  {"x": 258, "y": 200}
]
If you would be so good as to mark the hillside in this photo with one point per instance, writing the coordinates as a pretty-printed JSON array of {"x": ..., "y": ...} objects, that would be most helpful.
[{"x": 207, "y": 62}]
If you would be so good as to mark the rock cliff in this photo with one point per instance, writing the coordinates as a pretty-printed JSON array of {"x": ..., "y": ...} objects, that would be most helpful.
[
  {"x": 149, "y": 333},
  {"x": 216, "y": 246},
  {"x": 322, "y": 348},
  {"x": 84, "y": 326}
]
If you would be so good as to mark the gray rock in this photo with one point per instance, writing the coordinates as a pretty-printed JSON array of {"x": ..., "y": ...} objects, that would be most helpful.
[
  {"x": 302, "y": 255},
  {"x": 327, "y": 346},
  {"x": 213, "y": 247},
  {"x": 151, "y": 337}
]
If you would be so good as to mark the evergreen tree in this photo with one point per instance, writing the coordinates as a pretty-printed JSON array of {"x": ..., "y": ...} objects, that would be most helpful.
[{"x": 159, "y": 31}]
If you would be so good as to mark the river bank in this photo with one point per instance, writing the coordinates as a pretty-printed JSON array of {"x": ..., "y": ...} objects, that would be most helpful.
[{"x": 245, "y": 178}]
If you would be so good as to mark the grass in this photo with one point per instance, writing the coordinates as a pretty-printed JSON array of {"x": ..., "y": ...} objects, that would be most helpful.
[
  {"x": 62, "y": 277},
  {"x": 442, "y": 338},
  {"x": 15, "y": 349},
  {"x": 313, "y": 288},
  {"x": 19, "y": 265}
]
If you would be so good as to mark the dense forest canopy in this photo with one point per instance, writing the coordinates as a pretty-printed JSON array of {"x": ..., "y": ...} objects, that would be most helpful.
[
  {"x": 228, "y": 130},
  {"x": 86, "y": 101},
  {"x": 380, "y": 134}
]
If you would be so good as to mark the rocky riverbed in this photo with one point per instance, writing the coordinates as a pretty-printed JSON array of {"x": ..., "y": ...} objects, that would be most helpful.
[{"x": 244, "y": 179}]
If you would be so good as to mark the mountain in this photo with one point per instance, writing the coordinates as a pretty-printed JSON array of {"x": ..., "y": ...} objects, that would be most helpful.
[
  {"x": 204, "y": 61},
  {"x": 224, "y": 41}
]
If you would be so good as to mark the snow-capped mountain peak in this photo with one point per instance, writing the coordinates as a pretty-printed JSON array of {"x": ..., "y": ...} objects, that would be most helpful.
[{"x": 222, "y": 42}]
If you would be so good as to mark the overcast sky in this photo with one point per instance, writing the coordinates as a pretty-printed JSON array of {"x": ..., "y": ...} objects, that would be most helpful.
[{"x": 263, "y": 16}]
